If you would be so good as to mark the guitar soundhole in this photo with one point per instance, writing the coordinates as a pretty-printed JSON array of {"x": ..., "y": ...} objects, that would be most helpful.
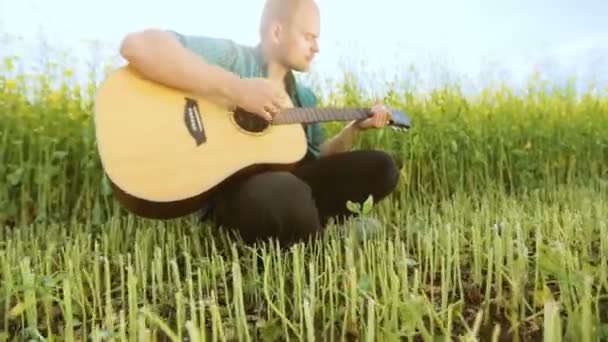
[{"x": 249, "y": 121}]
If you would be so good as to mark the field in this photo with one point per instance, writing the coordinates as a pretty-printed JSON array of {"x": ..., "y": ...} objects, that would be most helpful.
[{"x": 498, "y": 231}]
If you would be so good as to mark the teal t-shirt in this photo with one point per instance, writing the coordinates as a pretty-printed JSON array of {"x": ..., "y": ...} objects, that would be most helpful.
[{"x": 248, "y": 62}]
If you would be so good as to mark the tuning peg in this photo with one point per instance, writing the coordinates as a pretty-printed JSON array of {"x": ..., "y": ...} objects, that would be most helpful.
[{"x": 399, "y": 128}]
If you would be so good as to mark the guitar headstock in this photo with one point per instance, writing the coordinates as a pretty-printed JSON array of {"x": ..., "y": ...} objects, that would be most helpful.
[{"x": 399, "y": 121}]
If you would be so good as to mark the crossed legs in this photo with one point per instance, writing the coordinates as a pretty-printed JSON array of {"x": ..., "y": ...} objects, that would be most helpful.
[{"x": 294, "y": 206}]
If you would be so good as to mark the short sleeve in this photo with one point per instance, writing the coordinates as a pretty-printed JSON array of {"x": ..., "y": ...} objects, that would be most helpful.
[{"x": 218, "y": 51}]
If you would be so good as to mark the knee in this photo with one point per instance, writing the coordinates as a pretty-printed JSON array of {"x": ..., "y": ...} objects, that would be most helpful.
[
  {"x": 386, "y": 172},
  {"x": 285, "y": 209},
  {"x": 278, "y": 189}
]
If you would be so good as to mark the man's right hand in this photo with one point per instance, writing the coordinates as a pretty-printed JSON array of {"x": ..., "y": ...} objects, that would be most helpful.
[{"x": 260, "y": 96}]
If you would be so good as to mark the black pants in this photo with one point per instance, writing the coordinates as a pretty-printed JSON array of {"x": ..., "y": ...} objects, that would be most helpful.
[{"x": 294, "y": 206}]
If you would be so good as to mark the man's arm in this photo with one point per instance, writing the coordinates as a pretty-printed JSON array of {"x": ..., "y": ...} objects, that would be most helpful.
[
  {"x": 159, "y": 56},
  {"x": 344, "y": 141},
  {"x": 341, "y": 142}
]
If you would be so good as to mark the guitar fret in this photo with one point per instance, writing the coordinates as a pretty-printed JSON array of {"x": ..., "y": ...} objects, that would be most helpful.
[
  {"x": 362, "y": 113},
  {"x": 307, "y": 115},
  {"x": 317, "y": 115},
  {"x": 334, "y": 113},
  {"x": 322, "y": 115},
  {"x": 344, "y": 115},
  {"x": 298, "y": 115},
  {"x": 301, "y": 116}
]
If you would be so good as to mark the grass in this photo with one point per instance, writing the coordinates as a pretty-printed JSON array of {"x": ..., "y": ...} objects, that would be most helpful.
[{"x": 498, "y": 231}]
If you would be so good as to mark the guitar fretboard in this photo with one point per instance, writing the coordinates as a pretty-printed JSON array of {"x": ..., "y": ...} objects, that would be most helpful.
[{"x": 308, "y": 115}]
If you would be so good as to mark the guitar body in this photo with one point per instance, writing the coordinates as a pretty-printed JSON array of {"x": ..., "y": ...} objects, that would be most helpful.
[{"x": 164, "y": 151}]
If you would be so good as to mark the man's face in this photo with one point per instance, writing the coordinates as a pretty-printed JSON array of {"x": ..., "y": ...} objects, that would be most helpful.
[{"x": 298, "y": 42}]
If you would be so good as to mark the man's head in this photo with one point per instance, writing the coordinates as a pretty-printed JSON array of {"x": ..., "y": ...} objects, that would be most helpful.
[{"x": 289, "y": 30}]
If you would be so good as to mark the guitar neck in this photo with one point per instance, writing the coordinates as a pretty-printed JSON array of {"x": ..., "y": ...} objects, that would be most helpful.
[{"x": 310, "y": 115}]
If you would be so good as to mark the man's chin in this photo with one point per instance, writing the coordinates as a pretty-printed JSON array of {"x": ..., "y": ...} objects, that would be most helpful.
[{"x": 301, "y": 68}]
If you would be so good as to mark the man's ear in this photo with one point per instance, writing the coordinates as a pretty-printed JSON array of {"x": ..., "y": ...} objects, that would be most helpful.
[{"x": 276, "y": 32}]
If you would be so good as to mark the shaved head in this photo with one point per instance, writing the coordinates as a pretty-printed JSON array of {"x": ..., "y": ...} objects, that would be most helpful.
[{"x": 281, "y": 11}]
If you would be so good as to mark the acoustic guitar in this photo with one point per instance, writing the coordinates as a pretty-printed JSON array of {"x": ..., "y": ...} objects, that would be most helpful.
[{"x": 164, "y": 150}]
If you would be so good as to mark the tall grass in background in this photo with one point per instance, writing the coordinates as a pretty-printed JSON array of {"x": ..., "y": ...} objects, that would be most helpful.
[{"x": 498, "y": 231}]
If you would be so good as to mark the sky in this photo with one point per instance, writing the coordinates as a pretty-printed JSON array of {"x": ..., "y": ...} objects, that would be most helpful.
[{"x": 475, "y": 40}]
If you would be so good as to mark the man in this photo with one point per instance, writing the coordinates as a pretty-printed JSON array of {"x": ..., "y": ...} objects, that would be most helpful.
[{"x": 288, "y": 206}]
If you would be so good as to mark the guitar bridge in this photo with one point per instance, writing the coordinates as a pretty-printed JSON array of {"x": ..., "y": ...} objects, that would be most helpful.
[{"x": 193, "y": 121}]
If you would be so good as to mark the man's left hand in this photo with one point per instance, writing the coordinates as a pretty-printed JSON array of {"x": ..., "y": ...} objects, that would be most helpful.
[{"x": 380, "y": 116}]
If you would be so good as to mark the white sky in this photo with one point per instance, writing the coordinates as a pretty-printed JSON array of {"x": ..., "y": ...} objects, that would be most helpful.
[{"x": 471, "y": 36}]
